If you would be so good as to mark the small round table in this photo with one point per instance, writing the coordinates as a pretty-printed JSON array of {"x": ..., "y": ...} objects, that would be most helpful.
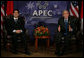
[{"x": 41, "y": 37}]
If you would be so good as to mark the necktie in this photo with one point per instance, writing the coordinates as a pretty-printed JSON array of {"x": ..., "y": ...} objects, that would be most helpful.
[
  {"x": 15, "y": 20},
  {"x": 66, "y": 25}
]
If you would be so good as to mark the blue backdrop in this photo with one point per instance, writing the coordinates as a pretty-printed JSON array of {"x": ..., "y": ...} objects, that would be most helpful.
[{"x": 46, "y": 11}]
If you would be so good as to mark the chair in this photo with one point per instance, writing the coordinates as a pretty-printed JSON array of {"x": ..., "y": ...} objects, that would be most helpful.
[
  {"x": 75, "y": 40},
  {"x": 8, "y": 36}
]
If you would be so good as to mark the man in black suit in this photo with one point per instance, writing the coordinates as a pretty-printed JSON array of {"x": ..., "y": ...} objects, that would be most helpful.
[
  {"x": 66, "y": 28},
  {"x": 15, "y": 28}
]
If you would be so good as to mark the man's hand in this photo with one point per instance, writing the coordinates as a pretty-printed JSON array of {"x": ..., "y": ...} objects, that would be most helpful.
[
  {"x": 70, "y": 29},
  {"x": 18, "y": 31},
  {"x": 59, "y": 28}
]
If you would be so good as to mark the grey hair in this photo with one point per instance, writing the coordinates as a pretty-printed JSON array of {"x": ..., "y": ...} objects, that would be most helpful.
[{"x": 64, "y": 11}]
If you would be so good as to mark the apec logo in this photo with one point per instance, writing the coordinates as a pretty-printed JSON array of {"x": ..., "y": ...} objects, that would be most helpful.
[{"x": 42, "y": 5}]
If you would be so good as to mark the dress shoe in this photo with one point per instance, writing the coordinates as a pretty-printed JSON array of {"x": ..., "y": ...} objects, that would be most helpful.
[
  {"x": 14, "y": 52},
  {"x": 27, "y": 52},
  {"x": 59, "y": 53}
]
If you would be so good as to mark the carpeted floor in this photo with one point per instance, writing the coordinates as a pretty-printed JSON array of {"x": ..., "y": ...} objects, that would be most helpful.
[{"x": 42, "y": 52}]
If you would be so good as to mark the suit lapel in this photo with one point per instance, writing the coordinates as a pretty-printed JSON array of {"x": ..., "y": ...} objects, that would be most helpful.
[
  {"x": 68, "y": 19},
  {"x": 13, "y": 21},
  {"x": 63, "y": 23},
  {"x": 17, "y": 21}
]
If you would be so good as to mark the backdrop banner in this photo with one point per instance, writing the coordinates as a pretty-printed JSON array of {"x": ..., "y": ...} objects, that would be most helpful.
[{"x": 45, "y": 11}]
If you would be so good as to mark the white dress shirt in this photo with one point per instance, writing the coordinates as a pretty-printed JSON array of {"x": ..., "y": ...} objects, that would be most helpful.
[{"x": 15, "y": 20}]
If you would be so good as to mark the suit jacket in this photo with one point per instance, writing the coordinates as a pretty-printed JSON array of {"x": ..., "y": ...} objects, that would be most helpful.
[
  {"x": 73, "y": 24},
  {"x": 11, "y": 25}
]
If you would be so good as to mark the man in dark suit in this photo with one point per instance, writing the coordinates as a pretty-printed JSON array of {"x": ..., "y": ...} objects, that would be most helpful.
[
  {"x": 66, "y": 28},
  {"x": 15, "y": 28}
]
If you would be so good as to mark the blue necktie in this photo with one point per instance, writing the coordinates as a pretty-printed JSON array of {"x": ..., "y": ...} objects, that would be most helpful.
[{"x": 66, "y": 25}]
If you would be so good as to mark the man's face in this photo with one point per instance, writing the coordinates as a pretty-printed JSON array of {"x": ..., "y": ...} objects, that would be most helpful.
[
  {"x": 65, "y": 14},
  {"x": 16, "y": 14}
]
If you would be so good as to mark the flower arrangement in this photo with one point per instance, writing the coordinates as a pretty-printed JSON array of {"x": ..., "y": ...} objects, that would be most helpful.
[{"x": 41, "y": 31}]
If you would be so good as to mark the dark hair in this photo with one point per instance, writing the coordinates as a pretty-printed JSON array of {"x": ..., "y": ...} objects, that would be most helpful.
[{"x": 15, "y": 10}]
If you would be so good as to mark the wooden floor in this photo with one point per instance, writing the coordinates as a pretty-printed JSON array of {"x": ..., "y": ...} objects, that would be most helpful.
[{"x": 42, "y": 52}]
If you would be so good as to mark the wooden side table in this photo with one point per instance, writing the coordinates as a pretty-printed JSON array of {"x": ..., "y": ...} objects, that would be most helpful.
[{"x": 41, "y": 37}]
